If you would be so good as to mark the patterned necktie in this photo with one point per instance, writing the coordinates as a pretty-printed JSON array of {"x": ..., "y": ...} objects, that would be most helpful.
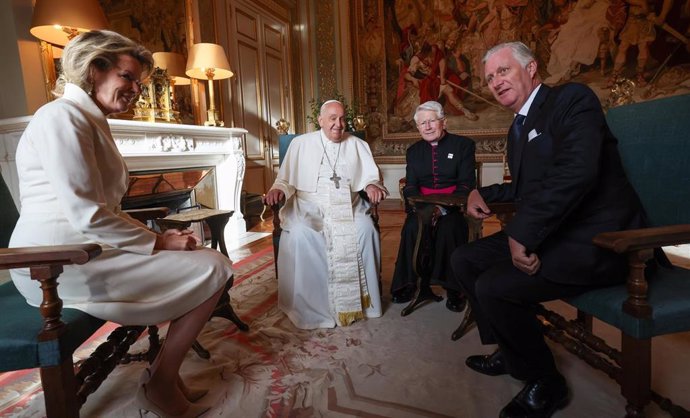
[
  {"x": 516, "y": 127},
  {"x": 514, "y": 137}
]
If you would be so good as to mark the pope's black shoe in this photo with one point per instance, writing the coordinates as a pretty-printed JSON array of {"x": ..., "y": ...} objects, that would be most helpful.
[
  {"x": 455, "y": 301},
  {"x": 539, "y": 398},
  {"x": 402, "y": 295},
  {"x": 490, "y": 365}
]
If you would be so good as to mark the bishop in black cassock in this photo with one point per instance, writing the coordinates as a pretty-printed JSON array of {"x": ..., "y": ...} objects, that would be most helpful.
[{"x": 445, "y": 165}]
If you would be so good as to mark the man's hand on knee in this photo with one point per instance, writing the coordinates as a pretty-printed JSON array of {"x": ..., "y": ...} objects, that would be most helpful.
[{"x": 527, "y": 263}]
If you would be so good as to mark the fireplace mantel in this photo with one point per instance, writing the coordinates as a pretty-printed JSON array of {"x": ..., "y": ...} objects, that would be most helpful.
[{"x": 159, "y": 146}]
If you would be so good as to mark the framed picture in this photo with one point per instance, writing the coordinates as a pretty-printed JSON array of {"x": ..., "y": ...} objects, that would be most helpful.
[{"x": 432, "y": 50}]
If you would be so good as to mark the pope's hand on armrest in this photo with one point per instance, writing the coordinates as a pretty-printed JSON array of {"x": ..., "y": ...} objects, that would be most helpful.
[
  {"x": 273, "y": 197},
  {"x": 375, "y": 194},
  {"x": 476, "y": 206}
]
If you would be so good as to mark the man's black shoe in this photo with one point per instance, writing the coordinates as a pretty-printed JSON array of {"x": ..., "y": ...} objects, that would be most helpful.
[
  {"x": 538, "y": 399},
  {"x": 402, "y": 295},
  {"x": 490, "y": 365},
  {"x": 455, "y": 301}
]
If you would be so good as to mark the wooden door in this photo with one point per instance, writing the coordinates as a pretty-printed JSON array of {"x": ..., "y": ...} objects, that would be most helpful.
[{"x": 261, "y": 50}]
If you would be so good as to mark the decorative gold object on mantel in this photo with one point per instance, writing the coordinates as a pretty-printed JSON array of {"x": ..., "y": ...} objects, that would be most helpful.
[
  {"x": 174, "y": 65},
  {"x": 359, "y": 122},
  {"x": 282, "y": 126},
  {"x": 208, "y": 61},
  {"x": 155, "y": 101}
]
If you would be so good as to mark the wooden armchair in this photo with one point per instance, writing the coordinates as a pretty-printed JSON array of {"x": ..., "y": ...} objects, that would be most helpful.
[
  {"x": 654, "y": 147},
  {"x": 653, "y": 142},
  {"x": 47, "y": 337}
]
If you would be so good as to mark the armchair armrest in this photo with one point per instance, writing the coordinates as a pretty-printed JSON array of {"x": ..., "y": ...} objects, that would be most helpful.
[
  {"x": 639, "y": 245},
  {"x": 645, "y": 238},
  {"x": 58, "y": 255},
  {"x": 46, "y": 265}
]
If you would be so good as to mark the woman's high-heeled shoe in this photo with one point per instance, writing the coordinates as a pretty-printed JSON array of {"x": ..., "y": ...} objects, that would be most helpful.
[
  {"x": 190, "y": 392},
  {"x": 145, "y": 404}
]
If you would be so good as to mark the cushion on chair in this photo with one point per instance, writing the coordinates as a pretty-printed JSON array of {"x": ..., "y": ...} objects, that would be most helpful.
[
  {"x": 654, "y": 144},
  {"x": 668, "y": 296},
  {"x": 283, "y": 144},
  {"x": 655, "y": 151},
  {"x": 19, "y": 330},
  {"x": 9, "y": 214}
]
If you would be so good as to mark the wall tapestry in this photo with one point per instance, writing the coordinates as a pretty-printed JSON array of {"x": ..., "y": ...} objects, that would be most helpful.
[
  {"x": 433, "y": 51},
  {"x": 159, "y": 25}
]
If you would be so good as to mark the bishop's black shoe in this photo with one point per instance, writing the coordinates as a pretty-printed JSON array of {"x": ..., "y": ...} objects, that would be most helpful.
[
  {"x": 490, "y": 365},
  {"x": 402, "y": 295},
  {"x": 539, "y": 398},
  {"x": 455, "y": 301}
]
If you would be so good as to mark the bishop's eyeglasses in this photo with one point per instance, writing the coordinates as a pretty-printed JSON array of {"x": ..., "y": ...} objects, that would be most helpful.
[{"x": 429, "y": 122}]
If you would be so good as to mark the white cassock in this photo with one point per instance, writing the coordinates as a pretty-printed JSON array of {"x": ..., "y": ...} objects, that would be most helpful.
[
  {"x": 329, "y": 256},
  {"x": 71, "y": 181}
]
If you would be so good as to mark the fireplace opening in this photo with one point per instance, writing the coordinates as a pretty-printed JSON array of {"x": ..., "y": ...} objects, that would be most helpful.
[
  {"x": 178, "y": 189},
  {"x": 175, "y": 188}
]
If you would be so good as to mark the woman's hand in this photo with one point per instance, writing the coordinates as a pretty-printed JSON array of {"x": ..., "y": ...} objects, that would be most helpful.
[{"x": 176, "y": 240}]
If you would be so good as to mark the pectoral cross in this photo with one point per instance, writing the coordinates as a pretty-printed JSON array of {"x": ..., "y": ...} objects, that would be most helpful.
[{"x": 335, "y": 179}]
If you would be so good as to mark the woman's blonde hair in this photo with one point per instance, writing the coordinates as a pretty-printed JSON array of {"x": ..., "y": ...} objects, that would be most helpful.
[{"x": 99, "y": 49}]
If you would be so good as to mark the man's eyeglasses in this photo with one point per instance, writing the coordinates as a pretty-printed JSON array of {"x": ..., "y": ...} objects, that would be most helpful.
[{"x": 428, "y": 122}]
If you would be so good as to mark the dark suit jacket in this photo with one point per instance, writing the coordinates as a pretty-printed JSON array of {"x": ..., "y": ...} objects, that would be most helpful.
[{"x": 568, "y": 185}]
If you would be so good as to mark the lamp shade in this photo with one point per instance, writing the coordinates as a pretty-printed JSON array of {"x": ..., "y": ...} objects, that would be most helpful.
[
  {"x": 174, "y": 64},
  {"x": 206, "y": 56},
  {"x": 57, "y": 22}
]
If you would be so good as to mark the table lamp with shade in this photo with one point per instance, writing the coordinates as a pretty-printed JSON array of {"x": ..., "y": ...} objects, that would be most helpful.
[
  {"x": 208, "y": 61},
  {"x": 57, "y": 22}
]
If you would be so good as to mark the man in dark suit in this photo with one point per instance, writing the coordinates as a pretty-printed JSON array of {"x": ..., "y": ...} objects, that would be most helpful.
[{"x": 568, "y": 185}]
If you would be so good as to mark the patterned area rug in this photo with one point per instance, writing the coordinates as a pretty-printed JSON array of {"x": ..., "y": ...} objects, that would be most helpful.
[{"x": 394, "y": 366}]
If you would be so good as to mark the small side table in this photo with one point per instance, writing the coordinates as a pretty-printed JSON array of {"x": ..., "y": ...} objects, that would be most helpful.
[
  {"x": 216, "y": 220},
  {"x": 424, "y": 207}
]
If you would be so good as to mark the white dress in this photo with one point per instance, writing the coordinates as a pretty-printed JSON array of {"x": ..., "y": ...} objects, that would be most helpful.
[
  {"x": 71, "y": 181},
  {"x": 312, "y": 245}
]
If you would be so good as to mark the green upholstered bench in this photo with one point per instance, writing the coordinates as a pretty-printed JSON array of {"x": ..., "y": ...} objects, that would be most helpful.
[{"x": 654, "y": 143}]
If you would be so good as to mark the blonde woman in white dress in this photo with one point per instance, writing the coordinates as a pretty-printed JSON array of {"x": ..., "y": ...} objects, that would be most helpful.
[{"x": 72, "y": 179}]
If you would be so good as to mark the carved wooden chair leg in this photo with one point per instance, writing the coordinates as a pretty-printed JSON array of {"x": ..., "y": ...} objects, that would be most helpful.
[
  {"x": 148, "y": 355},
  {"x": 423, "y": 293},
  {"x": 200, "y": 350},
  {"x": 636, "y": 376},
  {"x": 224, "y": 308},
  {"x": 466, "y": 325}
]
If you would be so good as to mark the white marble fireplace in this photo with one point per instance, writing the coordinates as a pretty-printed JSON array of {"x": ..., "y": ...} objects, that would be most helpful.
[{"x": 160, "y": 146}]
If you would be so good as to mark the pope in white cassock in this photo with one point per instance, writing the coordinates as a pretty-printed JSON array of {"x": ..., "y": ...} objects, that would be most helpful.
[{"x": 330, "y": 253}]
